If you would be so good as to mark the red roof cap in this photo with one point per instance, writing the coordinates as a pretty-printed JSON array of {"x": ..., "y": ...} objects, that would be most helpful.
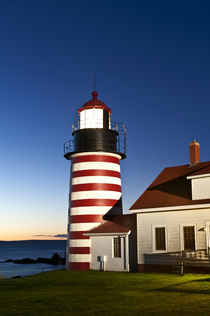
[
  {"x": 95, "y": 103},
  {"x": 94, "y": 94}
]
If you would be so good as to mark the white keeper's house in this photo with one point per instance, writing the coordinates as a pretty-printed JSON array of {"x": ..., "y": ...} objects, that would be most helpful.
[
  {"x": 167, "y": 228},
  {"x": 173, "y": 218}
]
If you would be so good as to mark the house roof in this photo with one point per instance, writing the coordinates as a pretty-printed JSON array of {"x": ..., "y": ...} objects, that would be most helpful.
[
  {"x": 172, "y": 188},
  {"x": 203, "y": 171},
  {"x": 116, "y": 224}
]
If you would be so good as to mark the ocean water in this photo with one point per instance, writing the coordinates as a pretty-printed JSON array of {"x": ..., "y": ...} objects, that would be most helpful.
[{"x": 29, "y": 249}]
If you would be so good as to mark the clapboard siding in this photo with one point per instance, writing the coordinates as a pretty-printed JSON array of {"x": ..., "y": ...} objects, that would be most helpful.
[
  {"x": 172, "y": 221},
  {"x": 102, "y": 246}
]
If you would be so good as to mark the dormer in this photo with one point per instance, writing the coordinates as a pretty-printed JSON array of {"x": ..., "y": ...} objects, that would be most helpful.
[{"x": 200, "y": 184}]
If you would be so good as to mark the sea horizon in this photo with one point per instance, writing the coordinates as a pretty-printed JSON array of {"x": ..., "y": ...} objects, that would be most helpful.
[{"x": 30, "y": 248}]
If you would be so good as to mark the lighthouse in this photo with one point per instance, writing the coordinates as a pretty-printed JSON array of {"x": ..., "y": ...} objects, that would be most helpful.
[{"x": 95, "y": 151}]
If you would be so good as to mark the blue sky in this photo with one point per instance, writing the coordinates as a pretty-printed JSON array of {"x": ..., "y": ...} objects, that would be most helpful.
[{"x": 151, "y": 60}]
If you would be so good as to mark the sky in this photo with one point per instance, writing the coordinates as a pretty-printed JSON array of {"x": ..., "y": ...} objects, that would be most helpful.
[{"x": 152, "y": 66}]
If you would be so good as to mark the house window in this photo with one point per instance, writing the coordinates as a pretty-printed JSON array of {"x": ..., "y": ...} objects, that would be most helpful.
[
  {"x": 189, "y": 237},
  {"x": 117, "y": 247},
  {"x": 160, "y": 238}
]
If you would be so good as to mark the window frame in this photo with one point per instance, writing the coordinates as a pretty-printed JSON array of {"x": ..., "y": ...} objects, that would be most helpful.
[
  {"x": 154, "y": 250},
  {"x": 182, "y": 235},
  {"x": 113, "y": 247}
]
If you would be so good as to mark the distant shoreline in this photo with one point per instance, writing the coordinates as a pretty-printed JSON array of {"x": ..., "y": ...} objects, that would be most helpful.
[{"x": 56, "y": 259}]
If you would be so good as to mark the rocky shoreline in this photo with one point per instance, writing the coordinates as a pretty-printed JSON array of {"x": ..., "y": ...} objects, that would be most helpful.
[{"x": 56, "y": 259}]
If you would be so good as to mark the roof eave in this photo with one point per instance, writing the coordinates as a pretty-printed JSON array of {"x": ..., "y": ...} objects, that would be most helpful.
[
  {"x": 107, "y": 234},
  {"x": 170, "y": 208}
]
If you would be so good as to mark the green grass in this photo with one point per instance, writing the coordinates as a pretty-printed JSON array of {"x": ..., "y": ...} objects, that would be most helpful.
[{"x": 109, "y": 293}]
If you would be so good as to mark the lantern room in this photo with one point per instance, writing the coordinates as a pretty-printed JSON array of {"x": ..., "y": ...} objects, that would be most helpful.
[
  {"x": 95, "y": 114},
  {"x": 95, "y": 132}
]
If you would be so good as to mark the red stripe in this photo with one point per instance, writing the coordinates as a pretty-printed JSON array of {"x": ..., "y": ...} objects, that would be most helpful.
[
  {"x": 79, "y": 250},
  {"x": 95, "y": 172},
  {"x": 93, "y": 202},
  {"x": 78, "y": 266},
  {"x": 86, "y": 218},
  {"x": 96, "y": 187},
  {"x": 78, "y": 235},
  {"x": 90, "y": 158}
]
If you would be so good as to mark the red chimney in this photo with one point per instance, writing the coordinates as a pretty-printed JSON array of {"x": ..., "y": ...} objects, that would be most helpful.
[{"x": 194, "y": 153}]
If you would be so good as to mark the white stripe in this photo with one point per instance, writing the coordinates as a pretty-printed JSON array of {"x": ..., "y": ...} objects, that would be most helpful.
[
  {"x": 80, "y": 195},
  {"x": 103, "y": 153},
  {"x": 92, "y": 210},
  {"x": 79, "y": 258},
  {"x": 99, "y": 165},
  {"x": 96, "y": 179},
  {"x": 75, "y": 227},
  {"x": 79, "y": 243}
]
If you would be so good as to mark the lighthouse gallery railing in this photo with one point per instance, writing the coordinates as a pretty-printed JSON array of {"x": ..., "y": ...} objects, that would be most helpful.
[{"x": 118, "y": 127}]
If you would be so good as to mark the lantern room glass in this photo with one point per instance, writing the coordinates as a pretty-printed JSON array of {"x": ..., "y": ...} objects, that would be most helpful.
[{"x": 91, "y": 118}]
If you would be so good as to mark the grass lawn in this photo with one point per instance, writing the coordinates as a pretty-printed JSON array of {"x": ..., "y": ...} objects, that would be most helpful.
[{"x": 105, "y": 293}]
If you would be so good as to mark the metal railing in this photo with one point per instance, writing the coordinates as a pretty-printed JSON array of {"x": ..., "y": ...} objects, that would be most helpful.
[
  {"x": 68, "y": 146},
  {"x": 98, "y": 123},
  {"x": 197, "y": 257},
  {"x": 121, "y": 138}
]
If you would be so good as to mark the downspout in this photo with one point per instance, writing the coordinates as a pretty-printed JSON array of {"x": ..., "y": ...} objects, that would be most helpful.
[{"x": 127, "y": 261}]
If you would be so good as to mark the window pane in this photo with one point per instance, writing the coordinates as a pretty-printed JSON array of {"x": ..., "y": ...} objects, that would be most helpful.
[
  {"x": 117, "y": 247},
  {"x": 160, "y": 238}
]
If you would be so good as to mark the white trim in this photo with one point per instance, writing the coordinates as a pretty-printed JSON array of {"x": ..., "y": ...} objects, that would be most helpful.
[
  {"x": 207, "y": 230},
  {"x": 170, "y": 208},
  {"x": 154, "y": 241},
  {"x": 206, "y": 175},
  {"x": 182, "y": 235},
  {"x": 127, "y": 252}
]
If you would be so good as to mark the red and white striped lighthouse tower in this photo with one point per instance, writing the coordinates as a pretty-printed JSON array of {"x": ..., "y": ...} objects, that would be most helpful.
[{"x": 95, "y": 152}]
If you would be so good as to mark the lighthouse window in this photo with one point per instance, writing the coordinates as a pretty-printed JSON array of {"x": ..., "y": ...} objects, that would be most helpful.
[
  {"x": 117, "y": 247},
  {"x": 91, "y": 118}
]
